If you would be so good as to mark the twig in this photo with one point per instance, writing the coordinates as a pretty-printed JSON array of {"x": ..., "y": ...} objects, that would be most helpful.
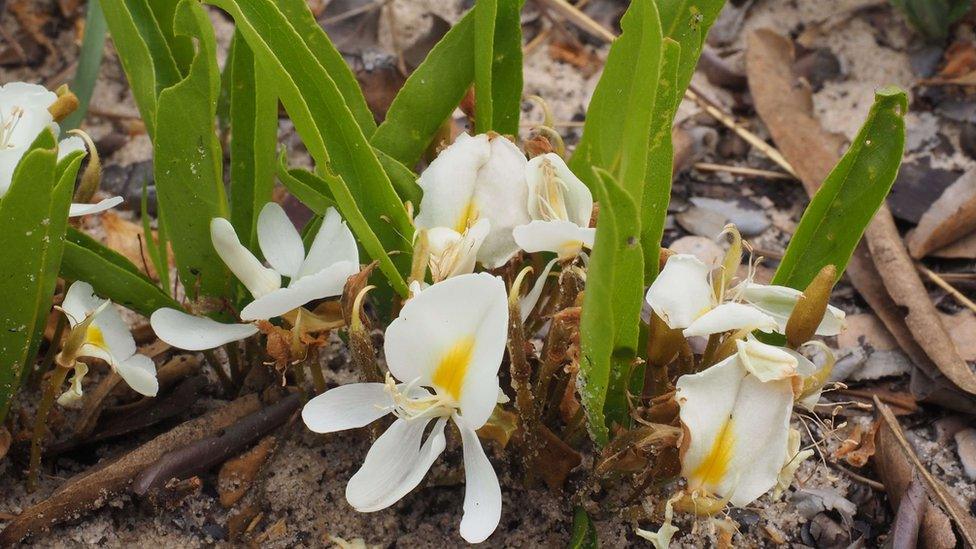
[
  {"x": 942, "y": 283},
  {"x": 742, "y": 170},
  {"x": 859, "y": 478},
  {"x": 353, "y": 12},
  {"x": 204, "y": 454},
  {"x": 580, "y": 19},
  {"x": 965, "y": 524}
]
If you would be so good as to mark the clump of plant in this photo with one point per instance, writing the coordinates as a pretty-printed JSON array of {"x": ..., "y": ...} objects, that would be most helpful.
[{"x": 522, "y": 291}]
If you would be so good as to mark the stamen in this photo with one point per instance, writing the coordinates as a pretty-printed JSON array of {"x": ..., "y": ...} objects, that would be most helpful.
[
  {"x": 422, "y": 407},
  {"x": 9, "y": 125}
]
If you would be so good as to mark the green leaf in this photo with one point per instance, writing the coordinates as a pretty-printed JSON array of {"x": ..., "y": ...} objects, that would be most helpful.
[
  {"x": 660, "y": 160},
  {"x": 254, "y": 136},
  {"x": 429, "y": 95},
  {"x": 618, "y": 121},
  {"x": 156, "y": 248},
  {"x": 33, "y": 217},
  {"x": 584, "y": 533},
  {"x": 181, "y": 46},
  {"x": 188, "y": 162},
  {"x": 145, "y": 55},
  {"x": 111, "y": 274},
  {"x": 300, "y": 16},
  {"x": 89, "y": 63},
  {"x": 497, "y": 65},
  {"x": 609, "y": 327},
  {"x": 933, "y": 18},
  {"x": 331, "y": 134},
  {"x": 485, "y": 12},
  {"x": 310, "y": 189},
  {"x": 836, "y": 218},
  {"x": 687, "y": 23},
  {"x": 402, "y": 178}
]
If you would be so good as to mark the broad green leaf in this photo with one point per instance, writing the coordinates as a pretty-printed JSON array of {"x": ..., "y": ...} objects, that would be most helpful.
[
  {"x": 687, "y": 23},
  {"x": 429, "y": 95},
  {"x": 933, "y": 18},
  {"x": 485, "y": 12},
  {"x": 180, "y": 46},
  {"x": 188, "y": 162},
  {"x": 145, "y": 55},
  {"x": 609, "y": 327},
  {"x": 584, "y": 533},
  {"x": 402, "y": 178},
  {"x": 660, "y": 160},
  {"x": 300, "y": 16},
  {"x": 618, "y": 120},
  {"x": 33, "y": 217},
  {"x": 331, "y": 134},
  {"x": 111, "y": 274},
  {"x": 307, "y": 187},
  {"x": 254, "y": 137},
  {"x": 836, "y": 218},
  {"x": 89, "y": 63},
  {"x": 497, "y": 65}
]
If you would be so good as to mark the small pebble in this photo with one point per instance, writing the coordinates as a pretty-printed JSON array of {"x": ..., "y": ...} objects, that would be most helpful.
[{"x": 966, "y": 447}]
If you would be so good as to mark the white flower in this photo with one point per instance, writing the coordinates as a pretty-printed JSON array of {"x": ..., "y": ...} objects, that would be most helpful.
[
  {"x": 24, "y": 115},
  {"x": 736, "y": 420},
  {"x": 683, "y": 297},
  {"x": 452, "y": 253},
  {"x": 446, "y": 345},
  {"x": 332, "y": 258},
  {"x": 479, "y": 177},
  {"x": 560, "y": 206},
  {"x": 105, "y": 336}
]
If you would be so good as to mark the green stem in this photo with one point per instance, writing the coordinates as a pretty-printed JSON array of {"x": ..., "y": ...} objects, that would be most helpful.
[{"x": 40, "y": 423}]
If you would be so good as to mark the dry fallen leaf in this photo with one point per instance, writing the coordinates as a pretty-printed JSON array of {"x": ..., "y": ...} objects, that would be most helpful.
[
  {"x": 5, "y": 441},
  {"x": 951, "y": 217},
  {"x": 858, "y": 446},
  {"x": 882, "y": 272},
  {"x": 127, "y": 238},
  {"x": 866, "y": 329},
  {"x": 966, "y": 448}
]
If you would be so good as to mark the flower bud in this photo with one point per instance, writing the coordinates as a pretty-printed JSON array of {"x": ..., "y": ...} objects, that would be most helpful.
[
  {"x": 810, "y": 308},
  {"x": 66, "y": 103}
]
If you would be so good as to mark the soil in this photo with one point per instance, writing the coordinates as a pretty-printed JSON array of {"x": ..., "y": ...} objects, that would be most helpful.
[{"x": 303, "y": 501}]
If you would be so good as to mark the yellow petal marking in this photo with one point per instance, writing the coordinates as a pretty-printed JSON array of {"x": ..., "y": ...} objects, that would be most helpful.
[
  {"x": 453, "y": 366},
  {"x": 94, "y": 336},
  {"x": 714, "y": 466},
  {"x": 467, "y": 218}
]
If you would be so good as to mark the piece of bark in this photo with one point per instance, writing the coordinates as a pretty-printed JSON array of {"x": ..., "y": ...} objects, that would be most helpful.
[
  {"x": 951, "y": 217},
  {"x": 882, "y": 272},
  {"x": 95, "y": 488}
]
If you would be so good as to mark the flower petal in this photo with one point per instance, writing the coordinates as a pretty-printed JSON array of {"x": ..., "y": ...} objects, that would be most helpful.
[
  {"x": 108, "y": 336},
  {"x": 347, "y": 407},
  {"x": 779, "y": 301},
  {"x": 325, "y": 283},
  {"x": 453, "y": 253},
  {"x": 501, "y": 195},
  {"x": 730, "y": 316},
  {"x": 531, "y": 299},
  {"x": 69, "y": 145},
  {"x": 736, "y": 430},
  {"x": 279, "y": 240},
  {"x": 333, "y": 243},
  {"x": 482, "y": 493},
  {"x": 577, "y": 198},
  {"x": 681, "y": 292},
  {"x": 196, "y": 333},
  {"x": 139, "y": 372},
  {"x": 71, "y": 397},
  {"x": 258, "y": 279},
  {"x": 766, "y": 362},
  {"x": 449, "y": 183},
  {"x": 564, "y": 238},
  {"x": 77, "y": 210},
  {"x": 452, "y": 336},
  {"x": 395, "y": 464},
  {"x": 80, "y": 301}
]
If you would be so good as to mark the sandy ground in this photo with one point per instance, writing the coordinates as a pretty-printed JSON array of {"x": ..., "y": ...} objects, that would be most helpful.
[{"x": 303, "y": 503}]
